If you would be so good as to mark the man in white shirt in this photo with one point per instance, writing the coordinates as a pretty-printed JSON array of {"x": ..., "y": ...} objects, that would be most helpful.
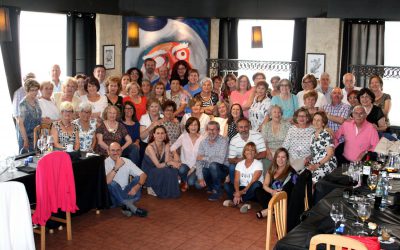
[
  {"x": 124, "y": 193},
  {"x": 99, "y": 72},
  {"x": 55, "y": 78},
  {"x": 324, "y": 86},
  {"x": 349, "y": 80}
]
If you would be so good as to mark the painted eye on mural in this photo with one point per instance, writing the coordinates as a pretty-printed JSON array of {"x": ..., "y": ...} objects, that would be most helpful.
[
  {"x": 181, "y": 54},
  {"x": 160, "y": 60}
]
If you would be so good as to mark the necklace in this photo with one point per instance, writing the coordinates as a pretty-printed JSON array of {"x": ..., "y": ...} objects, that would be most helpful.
[
  {"x": 66, "y": 126},
  {"x": 110, "y": 128}
]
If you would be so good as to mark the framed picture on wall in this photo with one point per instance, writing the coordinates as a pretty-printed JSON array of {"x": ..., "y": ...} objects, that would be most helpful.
[
  {"x": 109, "y": 56},
  {"x": 315, "y": 64}
]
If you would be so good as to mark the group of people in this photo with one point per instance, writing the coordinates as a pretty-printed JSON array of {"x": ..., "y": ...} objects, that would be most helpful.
[{"x": 175, "y": 131}]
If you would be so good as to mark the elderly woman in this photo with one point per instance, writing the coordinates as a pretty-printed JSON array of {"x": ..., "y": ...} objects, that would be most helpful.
[
  {"x": 228, "y": 86},
  {"x": 125, "y": 79},
  {"x": 258, "y": 112},
  {"x": 28, "y": 116},
  {"x": 80, "y": 80},
  {"x": 137, "y": 99},
  {"x": 67, "y": 95},
  {"x": 310, "y": 99},
  {"x": 297, "y": 140},
  {"x": 169, "y": 122},
  {"x": 64, "y": 131},
  {"x": 352, "y": 98},
  {"x": 207, "y": 97},
  {"x": 180, "y": 70},
  {"x": 87, "y": 127},
  {"x": 382, "y": 100},
  {"x": 235, "y": 114},
  {"x": 180, "y": 97},
  {"x": 222, "y": 117},
  {"x": 49, "y": 109},
  {"x": 309, "y": 82},
  {"x": 98, "y": 102},
  {"x": 322, "y": 160},
  {"x": 136, "y": 75},
  {"x": 375, "y": 114},
  {"x": 113, "y": 88},
  {"x": 242, "y": 94},
  {"x": 286, "y": 100},
  {"x": 274, "y": 132},
  {"x": 195, "y": 106}
]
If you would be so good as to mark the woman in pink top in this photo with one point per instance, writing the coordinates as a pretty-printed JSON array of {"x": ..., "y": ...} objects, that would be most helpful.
[{"x": 242, "y": 94}]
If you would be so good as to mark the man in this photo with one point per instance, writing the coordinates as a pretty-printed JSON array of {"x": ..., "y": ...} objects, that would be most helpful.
[
  {"x": 150, "y": 71},
  {"x": 20, "y": 93},
  {"x": 211, "y": 157},
  {"x": 337, "y": 111},
  {"x": 324, "y": 86},
  {"x": 55, "y": 78},
  {"x": 349, "y": 80},
  {"x": 164, "y": 76},
  {"x": 238, "y": 142},
  {"x": 124, "y": 193},
  {"x": 360, "y": 137},
  {"x": 99, "y": 72}
]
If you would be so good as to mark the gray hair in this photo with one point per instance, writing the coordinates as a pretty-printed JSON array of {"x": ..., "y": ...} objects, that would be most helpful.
[
  {"x": 206, "y": 79},
  {"x": 84, "y": 106},
  {"x": 274, "y": 106},
  {"x": 210, "y": 123},
  {"x": 284, "y": 81}
]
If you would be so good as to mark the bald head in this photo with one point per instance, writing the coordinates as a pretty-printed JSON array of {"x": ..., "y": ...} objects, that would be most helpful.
[
  {"x": 114, "y": 150},
  {"x": 336, "y": 96}
]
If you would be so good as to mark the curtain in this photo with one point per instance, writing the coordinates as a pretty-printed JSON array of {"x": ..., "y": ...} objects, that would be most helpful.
[
  {"x": 299, "y": 50},
  {"x": 363, "y": 44},
  {"x": 81, "y": 43},
  {"x": 228, "y": 38},
  {"x": 10, "y": 51}
]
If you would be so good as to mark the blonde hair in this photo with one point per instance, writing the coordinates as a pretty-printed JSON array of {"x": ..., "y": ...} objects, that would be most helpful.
[{"x": 66, "y": 106}]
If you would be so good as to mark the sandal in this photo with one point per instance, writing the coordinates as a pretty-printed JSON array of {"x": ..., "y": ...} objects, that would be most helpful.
[{"x": 262, "y": 214}]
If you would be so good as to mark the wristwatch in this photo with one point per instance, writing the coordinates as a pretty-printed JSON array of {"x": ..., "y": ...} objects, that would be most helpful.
[{"x": 115, "y": 170}]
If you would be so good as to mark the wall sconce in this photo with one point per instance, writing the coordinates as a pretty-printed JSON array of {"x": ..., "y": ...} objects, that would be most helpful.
[
  {"x": 256, "y": 37},
  {"x": 133, "y": 34},
  {"x": 5, "y": 32}
]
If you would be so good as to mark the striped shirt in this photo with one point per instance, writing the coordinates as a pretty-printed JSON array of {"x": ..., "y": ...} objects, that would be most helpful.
[{"x": 237, "y": 144}]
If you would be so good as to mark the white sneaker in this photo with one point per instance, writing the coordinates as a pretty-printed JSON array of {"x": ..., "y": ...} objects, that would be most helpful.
[
  {"x": 150, "y": 191},
  {"x": 245, "y": 208},
  {"x": 228, "y": 203}
]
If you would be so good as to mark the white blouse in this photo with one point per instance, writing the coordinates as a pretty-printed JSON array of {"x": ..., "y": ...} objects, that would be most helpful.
[
  {"x": 49, "y": 109},
  {"x": 188, "y": 149},
  {"x": 98, "y": 106}
]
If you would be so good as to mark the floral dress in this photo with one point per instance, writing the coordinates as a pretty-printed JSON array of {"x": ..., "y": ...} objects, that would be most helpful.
[
  {"x": 173, "y": 131},
  {"x": 32, "y": 116},
  {"x": 258, "y": 111},
  {"x": 63, "y": 137},
  {"x": 86, "y": 136},
  {"x": 110, "y": 137},
  {"x": 318, "y": 152}
]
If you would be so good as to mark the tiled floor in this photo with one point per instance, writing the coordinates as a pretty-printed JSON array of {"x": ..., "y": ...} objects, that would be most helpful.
[{"x": 191, "y": 222}]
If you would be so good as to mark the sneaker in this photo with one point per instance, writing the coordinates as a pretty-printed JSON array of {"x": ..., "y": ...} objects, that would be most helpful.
[
  {"x": 214, "y": 196},
  {"x": 150, "y": 191},
  {"x": 140, "y": 212},
  {"x": 127, "y": 213},
  {"x": 228, "y": 203},
  {"x": 244, "y": 208}
]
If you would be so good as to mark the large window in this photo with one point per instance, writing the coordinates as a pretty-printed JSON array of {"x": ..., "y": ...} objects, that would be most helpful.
[{"x": 277, "y": 43}]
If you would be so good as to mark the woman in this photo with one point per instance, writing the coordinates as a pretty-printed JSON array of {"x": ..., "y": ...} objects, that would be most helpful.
[
  {"x": 132, "y": 125},
  {"x": 286, "y": 100},
  {"x": 80, "y": 80},
  {"x": 98, "y": 102},
  {"x": 113, "y": 88},
  {"x": 382, "y": 100},
  {"x": 375, "y": 114},
  {"x": 29, "y": 115},
  {"x": 228, "y": 86},
  {"x": 67, "y": 95},
  {"x": 297, "y": 140},
  {"x": 64, "y": 131},
  {"x": 125, "y": 79},
  {"x": 180, "y": 70},
  {"x": 146, "y": 88},
  {"x": 217, "y": 86},
  {"x": 208, "y": 98},
  {"x": 50, "y": 112},
  {"x": 193, "y": 87},
  {"x": 258, "y": 112},
  {"x": 309, "y": 82},
  {"x": 280, "y": 177},
  {"x": 150, "y": 120},
  {"x": 275, "y": 131},
  {"x": 322, "y": 160},
  {"x": 242, "y": 94},
  {"x": 222, "y": 117},
  {"x": 188, "y": 143},
  {"x": 235, "y": 114},
  {"x": 179, "y": 96},
  {"x": 352, "y": 98},
  {"x": 136, "y": 75},
  {"x": 87, "y": 127},
  {"x": 310, "y": 99},
  {"x": 275, "y": 85},
  {"x": 163, "y": 72},
  {"x": 158, "y": 92},
  {"x": 248, "y": 178},
  {"x": 169, "y": 122},
  {"x": 137, "y": 99},
  {"x": 161, "y": 169},
  {"x": 195, "y": 106}
]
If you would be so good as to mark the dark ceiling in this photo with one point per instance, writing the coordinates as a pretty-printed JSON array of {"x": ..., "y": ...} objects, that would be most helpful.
[{"x": 261, "y": 9}]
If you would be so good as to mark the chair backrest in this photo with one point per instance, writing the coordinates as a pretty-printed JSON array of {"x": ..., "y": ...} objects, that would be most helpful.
[
  {"x": 277, "y": 206},
  {"x": 306, "y": 206},
  {"x": 40, "y": 130},
  {"x": 336, "y": 240}
]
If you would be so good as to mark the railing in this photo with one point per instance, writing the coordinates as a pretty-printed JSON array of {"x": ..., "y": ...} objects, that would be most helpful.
[{"x": 364, "y": 72}]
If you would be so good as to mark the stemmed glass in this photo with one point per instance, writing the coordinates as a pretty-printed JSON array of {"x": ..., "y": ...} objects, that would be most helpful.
[
  {"x": 10, "y": 162},
  {"x": 41, "y": 143},
  {"x": 336, "y": 214},
  {"x": 372, "y": 181},
  {"x": 363, "y": 211}
]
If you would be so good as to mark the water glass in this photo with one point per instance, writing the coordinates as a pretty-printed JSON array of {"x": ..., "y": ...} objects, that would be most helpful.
[{"x": 336, "y": 213}]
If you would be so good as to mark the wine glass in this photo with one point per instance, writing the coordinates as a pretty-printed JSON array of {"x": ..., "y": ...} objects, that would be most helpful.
[
  {"x": 10, "y": 162},
  {"x": 336, "y": 214},
  {"x": 41, "y": 143},
  {"x": 372, "y": 181},
  {"x": 363, "y": 211}
]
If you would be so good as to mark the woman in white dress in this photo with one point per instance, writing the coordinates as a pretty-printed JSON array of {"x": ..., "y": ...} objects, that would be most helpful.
[{"x": 50, "y": 112}]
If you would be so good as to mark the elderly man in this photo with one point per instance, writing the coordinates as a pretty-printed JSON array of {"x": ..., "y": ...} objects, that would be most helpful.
[
  {"x": 55, "y": 78},
  {"x": 124, "y": 193},
  {"x": 99, "y": 72},
  {"x": 238, "y": 142},
  {"x": 324, "y": 86},
  {"x": 150, "y": 71},
  {"x": 348, "y": 80},
  {"x": 359, "y": 135},
  {"x": 337, "y": 111},
  {"x": 211, "y": 157}
]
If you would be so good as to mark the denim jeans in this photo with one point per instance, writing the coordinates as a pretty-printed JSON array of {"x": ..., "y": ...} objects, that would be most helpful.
[
  {"x": 118, "y": 195},
  {"x": 132, "y": 153},
  {"x": 213, "y": 175},
  {"x": 249, "y": 195},
  {"x": 191, "y": 179},
  {"x": 232, "y": 168}
]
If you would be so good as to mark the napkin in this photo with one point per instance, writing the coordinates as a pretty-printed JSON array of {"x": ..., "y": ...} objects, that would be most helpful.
[{"x": 371, "y": 243}]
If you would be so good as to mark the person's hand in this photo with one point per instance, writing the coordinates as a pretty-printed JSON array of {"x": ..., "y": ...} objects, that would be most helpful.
[
  {"x": 274, "y": 192},
  {"x": 137, "y": 143},
  {"x": 237, "y": 200},
  {"x": 26, "y": 144},
  {"x": 134, "y": 190},
  {"x": 202, "y": 183},
  {"x": 312, "y": 167},
  {"x": 119, "y": 163},
  {"x": 175, "y": 164}
]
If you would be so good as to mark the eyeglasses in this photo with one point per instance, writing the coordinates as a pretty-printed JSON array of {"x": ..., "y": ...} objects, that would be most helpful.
[
  {"x": 68, "y": 111},
  {"x": 128, "y": 108},
  {"x": 86, "y": 112}
]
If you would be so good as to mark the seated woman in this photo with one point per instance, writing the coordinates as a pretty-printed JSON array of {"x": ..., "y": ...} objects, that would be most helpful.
[
  {"x": 131, "y": 123},
  {"x": 113, "y": 88},
  {"x": 375, "y": 114},
  {"x": 68, "y": 93},
  {"x": 310, "y": 99},
  {"x": 188, "y": 143},
  {"x": 280, "y": 177},
  {"x": 137, "y": 99},
  {"x": 222, "y": 117},
  {"x": 87, "y": 127},
  {"x": 235, "y": 114},
  {"x": 161, "y": 169},
  {"x": 258, "y": 112},
  {"x": 98, "y": 102},
  {"x": 65, "y": 133},
  {"x": 352, "y": 98},
  {"x": 248, "y": 178},
  {"x": 195, "y": 106},
  {"x": 158, "y": 92},
  {"x": 207, "y": 97},
  {"x": 180, "y": 97},
  {"x": 322, "y": 160},
  {"x": 50, "y": 112},
  {"x": 170, "y": 123},
  {"x": 286, "y": 100}
]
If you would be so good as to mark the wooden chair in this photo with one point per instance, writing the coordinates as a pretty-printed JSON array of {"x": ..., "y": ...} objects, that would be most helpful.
[
  {"x": 277, "y": 206},
  {"x": 38, "y": 131},
  {"x": 336, "y": 240},
  {"x": 306, "y": 205}
]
